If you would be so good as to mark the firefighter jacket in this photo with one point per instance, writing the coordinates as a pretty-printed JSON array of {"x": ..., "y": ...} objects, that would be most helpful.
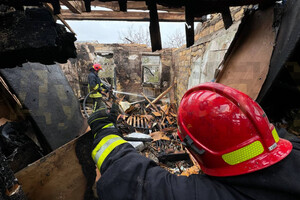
[
  {"x": 95, "y": 84},
  {"x": 125, "y": 174}
]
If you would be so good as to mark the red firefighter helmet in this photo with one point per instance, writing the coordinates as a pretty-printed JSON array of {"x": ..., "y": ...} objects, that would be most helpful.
[
  {"x": 97, "y": 67},
  {"x": 227, "y": 132}
]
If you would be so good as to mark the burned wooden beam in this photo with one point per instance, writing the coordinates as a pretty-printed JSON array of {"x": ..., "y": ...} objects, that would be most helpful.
[
  {"x": 173, "y": 157},
  {"x": 227, "y": 19},
  {"x": 136, "y": 5},
  {"x": 154, "y": 26},
  {"x": 189, "y": 24},
  {"x": 124, "y": 16},
  {"x": 71, "y": 6},
  {"x": 32, "y": 35},
  {"x": 123, "y": 5}
]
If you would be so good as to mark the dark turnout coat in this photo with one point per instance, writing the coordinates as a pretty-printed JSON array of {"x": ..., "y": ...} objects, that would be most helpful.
[
  {"x": 95, "y": 84},
  {"x": 128, "y": 175}
]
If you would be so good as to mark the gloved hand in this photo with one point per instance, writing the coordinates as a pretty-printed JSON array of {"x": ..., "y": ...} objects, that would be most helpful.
[{"x": 101, "y": 119}]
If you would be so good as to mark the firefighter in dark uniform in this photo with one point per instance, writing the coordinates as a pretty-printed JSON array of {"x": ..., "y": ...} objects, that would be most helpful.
[
  {"x": 238, "y": 150},
  {"x": 95, "y": 85}
]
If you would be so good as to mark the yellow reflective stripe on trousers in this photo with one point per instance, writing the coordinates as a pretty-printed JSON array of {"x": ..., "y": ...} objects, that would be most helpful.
[
  {"x": 105, "y": 146},
  {"x": 243, "y": 154}
]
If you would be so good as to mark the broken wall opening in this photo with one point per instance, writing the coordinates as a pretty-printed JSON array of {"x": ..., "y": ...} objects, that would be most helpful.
[{"x": 151, "y": 72}]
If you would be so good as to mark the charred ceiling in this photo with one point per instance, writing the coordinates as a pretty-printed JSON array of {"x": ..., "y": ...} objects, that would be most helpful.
[
  {"x": 32, "y": 35},
  {"x": 188, "y": 11}
]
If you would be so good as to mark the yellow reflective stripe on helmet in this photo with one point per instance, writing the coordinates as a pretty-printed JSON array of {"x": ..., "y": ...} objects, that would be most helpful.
[
  {"x": 243, "y": 154},
  {"x": 105, "y": 146},
  {"x": 108, "y": 125},
  {"x": 275, "y": 135}
]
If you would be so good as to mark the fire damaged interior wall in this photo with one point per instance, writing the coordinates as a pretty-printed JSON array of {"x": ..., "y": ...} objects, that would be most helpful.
[
  {"x": 122, "y": 67},
  {"x": 197, "y": 64}
]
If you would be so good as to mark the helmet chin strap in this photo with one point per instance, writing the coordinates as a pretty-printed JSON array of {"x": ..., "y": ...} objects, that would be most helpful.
[{"x": 189, "y": 143}]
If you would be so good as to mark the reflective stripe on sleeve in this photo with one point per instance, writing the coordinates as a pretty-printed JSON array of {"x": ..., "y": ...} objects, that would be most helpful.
[
  {"x": 104, "y": 147},
  {"x": 96, "y": 87},
  {"x": 108, "y": 125}
]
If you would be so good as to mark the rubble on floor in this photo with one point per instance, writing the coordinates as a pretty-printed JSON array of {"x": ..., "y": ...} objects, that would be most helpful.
[{"x": 152, "y": 129}]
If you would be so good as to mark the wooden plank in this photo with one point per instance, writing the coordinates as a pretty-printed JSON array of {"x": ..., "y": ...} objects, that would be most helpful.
[
  {"x": 123, "y": 16},
  {"x": 72, "y": 6},
  {"x": 246, "y": 66},
  {"x": 154, "y": 26},
  {"x": 59, "y": 16},
  {"x": 150, "y": 103},
  {"x": 173, "y": 115},
  {"x": 162, "y": 94},
  {"x": 138, "y": 121},
  {"x": 136, "y": 5},
  {"x": 134, "y": 121},
  {"x": 169, "y": 120},
  {"x": 55, "y": 176},
  {"x": 142, "y": 122},
  {"x": 164, "y": 108},
  {"x": 130, "y": 121},
  {"x": 156, "y": 114}
]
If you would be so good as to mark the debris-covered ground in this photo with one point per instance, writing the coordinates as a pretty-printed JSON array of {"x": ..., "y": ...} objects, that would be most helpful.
[{"x": 152, "y": 129}]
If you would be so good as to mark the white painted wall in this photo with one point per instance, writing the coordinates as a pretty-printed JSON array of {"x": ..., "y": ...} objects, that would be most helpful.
[{"x": 203, "y": 69}]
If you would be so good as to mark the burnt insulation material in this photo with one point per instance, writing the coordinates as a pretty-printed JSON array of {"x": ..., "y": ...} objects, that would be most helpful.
[
  {"x": 17, "y": 147},
  {"x": 83, "y": 151},
  {"x": 8, "y": 182}
]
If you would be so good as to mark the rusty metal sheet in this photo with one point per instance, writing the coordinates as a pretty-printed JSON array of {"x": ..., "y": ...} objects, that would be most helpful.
[
  {"x": 246, "y": 65},
  {"x": 49, "y": 100}
]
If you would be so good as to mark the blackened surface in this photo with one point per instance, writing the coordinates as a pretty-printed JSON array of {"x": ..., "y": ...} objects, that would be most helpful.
[
  {"x": 8, "y": 180},
  {"x": 32, "y": 35},
  {"x": 287, "y": 39},
  {"x": 83, "y": 151},
  {"x": 50, "y": 101},
  {"x": 19, "y": 149}
]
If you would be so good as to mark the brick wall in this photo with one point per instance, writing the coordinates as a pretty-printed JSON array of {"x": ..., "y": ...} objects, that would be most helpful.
[{"x": 197, "y": 63}]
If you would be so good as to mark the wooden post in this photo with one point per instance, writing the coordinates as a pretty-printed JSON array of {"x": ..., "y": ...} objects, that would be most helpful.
[
  {"x": 162, "y": 94},
  {"x": 154, "y": 26},
  {"x": 189, "y": 24}
]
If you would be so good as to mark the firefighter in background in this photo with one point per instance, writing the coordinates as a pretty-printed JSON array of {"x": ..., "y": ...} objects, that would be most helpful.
[
  {"x": 239, "y": 151},
  {"x": 95, "y": 84}
]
